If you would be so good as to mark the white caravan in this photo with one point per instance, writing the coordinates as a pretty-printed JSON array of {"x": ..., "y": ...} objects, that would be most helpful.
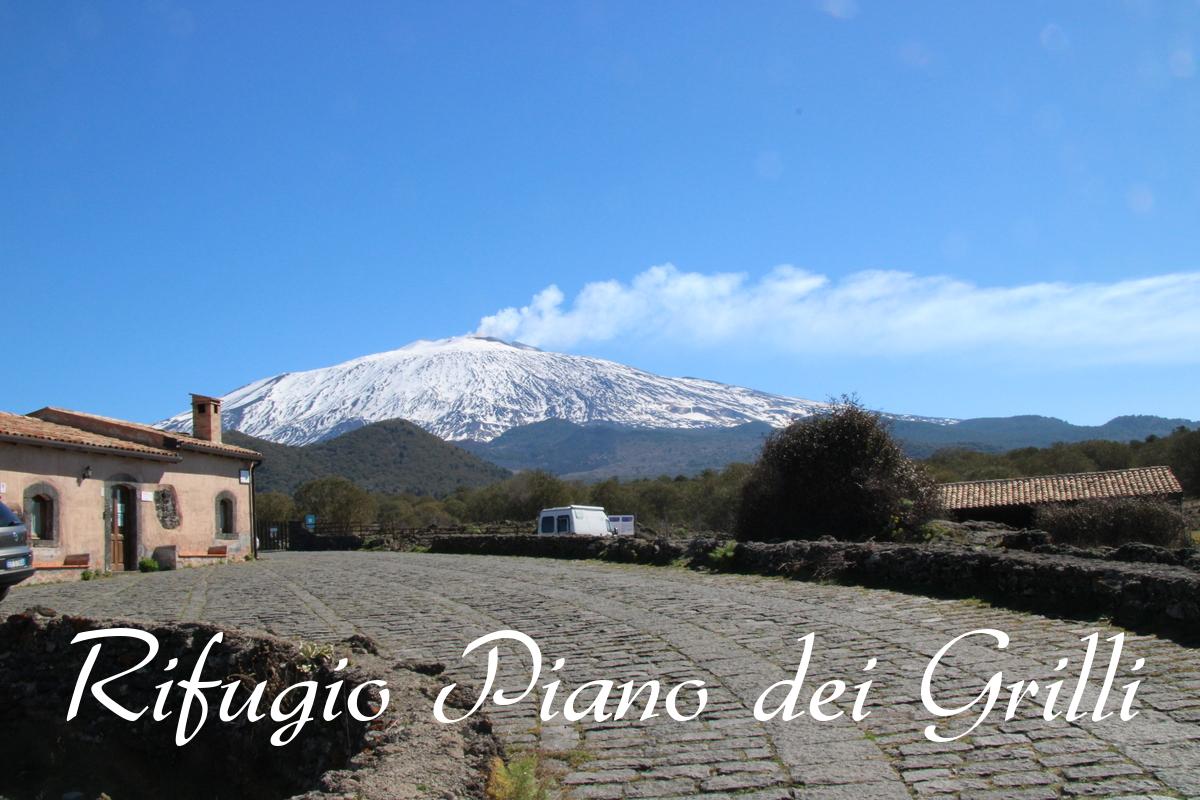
[{"x": 584, "y": 520}]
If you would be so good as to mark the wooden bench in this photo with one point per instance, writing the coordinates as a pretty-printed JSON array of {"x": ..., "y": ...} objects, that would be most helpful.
[
  {"x": 73, "y": 561},
  {"x": 216, "y": 551}
]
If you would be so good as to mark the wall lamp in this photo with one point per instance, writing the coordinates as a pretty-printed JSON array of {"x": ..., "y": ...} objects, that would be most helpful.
[{"x": 87, "y": 472}]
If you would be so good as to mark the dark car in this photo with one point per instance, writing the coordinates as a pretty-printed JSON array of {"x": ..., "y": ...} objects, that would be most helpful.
[{"x": 16, "y": 556}]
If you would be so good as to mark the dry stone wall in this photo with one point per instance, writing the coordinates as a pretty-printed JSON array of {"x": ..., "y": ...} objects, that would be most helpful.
[{"x": 1139, "y": 594}]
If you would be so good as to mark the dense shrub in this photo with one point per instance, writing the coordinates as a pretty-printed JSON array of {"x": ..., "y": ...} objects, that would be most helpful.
[
  {"x": 336, "y": 500},
  {"x": 274, "y": 507},
  {"x": 1114, "y": 522},
  {"x": 838, "y": 473}
]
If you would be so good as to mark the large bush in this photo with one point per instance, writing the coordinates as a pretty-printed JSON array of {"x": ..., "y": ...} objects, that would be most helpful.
[
  {"x": 520, "y": 497},
  {"x": 274, "y": 507},
  {"x": 838, "y": 473},
  {"x": 1114, "y": 522},
  {"x": 337, "y": 501}
]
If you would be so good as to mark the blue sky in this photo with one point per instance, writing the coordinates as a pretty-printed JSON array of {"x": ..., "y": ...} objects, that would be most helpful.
[{"x": 949, "y": 208}]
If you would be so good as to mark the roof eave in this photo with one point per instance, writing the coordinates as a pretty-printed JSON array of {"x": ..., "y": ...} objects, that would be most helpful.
[
  {"x": 35, "y": 441},
  {"x": 199, "y": 447}
]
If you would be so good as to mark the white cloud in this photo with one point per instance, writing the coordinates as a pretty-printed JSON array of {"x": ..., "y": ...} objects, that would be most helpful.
[
  {"x": 839, "y": 9},
  {"x": 1183, "y": 63},
  {"x": 915, "y": 54},
  {"x": 1054, "y": 39},
  {"x": 1140, "y": 199},
  {"x": 791, "y": 310},
  {"x": 768, "y": 165}
]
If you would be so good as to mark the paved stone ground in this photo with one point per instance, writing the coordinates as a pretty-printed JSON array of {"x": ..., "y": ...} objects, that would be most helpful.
[{"x": 736, "y": 633}]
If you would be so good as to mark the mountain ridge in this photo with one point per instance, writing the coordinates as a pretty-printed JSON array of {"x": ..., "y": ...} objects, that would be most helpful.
[
  {"x": 596, "y": 452},
  {"x": 397, "y": 456},
  {"x": 391, "y": 456},
  {"x": 475, "y": 388}
]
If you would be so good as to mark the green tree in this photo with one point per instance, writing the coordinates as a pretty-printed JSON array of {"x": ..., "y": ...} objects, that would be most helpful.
[
  {"x": 521, "y": 497},
  {"x": 395, "y": 509},
  {"x": 428, "y": 511},
  {"x": 1057, "y": 459},
  {"x": 274, "y": 507},
  {"x": 456, "y": 507},
  {"x": 337, "y": 501},
  {"x": 1183, "y": 456},
  {"x": 534, "y": 490}
]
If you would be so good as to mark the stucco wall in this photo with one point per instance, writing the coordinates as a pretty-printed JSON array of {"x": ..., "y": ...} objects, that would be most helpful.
[{"x": 82, "y": 504}]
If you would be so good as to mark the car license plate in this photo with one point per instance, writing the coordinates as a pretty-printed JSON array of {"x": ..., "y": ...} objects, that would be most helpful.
[{"x": 15, "y": 563}]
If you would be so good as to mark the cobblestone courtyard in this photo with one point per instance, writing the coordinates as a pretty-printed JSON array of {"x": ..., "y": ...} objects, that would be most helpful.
[{"x": 738, "y": 634}]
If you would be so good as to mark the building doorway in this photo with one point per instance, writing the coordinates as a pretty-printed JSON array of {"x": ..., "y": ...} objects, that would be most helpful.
[{"x": 123, "y": 532}]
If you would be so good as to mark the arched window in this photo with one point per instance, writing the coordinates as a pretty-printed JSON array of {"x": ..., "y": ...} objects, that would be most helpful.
[
  {"x": 41, "y": 511},
  {"x": 225, "y": 515}
]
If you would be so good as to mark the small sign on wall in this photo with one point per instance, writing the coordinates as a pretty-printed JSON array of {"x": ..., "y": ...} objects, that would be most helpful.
[
  {"x": 147, "y": 497},
  {"x": 244, "y": 477},
  {"x": 3, "y": 487}
]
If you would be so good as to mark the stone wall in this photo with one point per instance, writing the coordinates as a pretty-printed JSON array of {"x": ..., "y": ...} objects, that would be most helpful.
[
  {"x": 1152, "y": 597},
  {"x": 61, "y": 758},
  {"x": 98, "y": 754}
]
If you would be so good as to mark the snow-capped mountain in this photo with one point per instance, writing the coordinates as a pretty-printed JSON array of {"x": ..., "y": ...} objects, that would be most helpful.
[{"x": 476, "y": 388}]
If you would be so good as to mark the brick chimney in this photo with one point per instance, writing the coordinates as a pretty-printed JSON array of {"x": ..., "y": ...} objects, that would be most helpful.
[{"x": 206, "y": 418}]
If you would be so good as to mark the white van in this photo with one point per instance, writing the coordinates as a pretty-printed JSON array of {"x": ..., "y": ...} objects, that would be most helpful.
[
  {"x": 622, "y": 524},
  {"x": 583, "y": 520}
]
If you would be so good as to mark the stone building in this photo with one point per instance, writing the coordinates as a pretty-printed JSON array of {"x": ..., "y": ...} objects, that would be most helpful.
[
  {"x": 1015, "y": 500},
  {"x": 102, "y": 493}
]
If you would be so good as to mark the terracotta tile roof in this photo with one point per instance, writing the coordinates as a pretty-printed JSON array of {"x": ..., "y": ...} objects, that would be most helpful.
[
  {"x": 1139, "y": 482},
  {"x": 142, "y": 434},
  {"x": 221, "y": 449},
  {"x": 17, "y": 428}
]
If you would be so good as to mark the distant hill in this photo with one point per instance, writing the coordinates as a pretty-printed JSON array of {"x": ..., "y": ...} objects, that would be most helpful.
[
  {"x": 997, "y": 434},
  {"x": 395, "y": 455},
  {"x": 598, "y": 451},
  {"x": 390, "y": 456}
]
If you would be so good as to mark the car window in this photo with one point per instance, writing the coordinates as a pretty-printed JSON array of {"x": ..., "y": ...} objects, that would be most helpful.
[
  {"x": 564, "y": 523},
  {"x": 7, "y": 517},
  {"x": 547, "y": 524}
]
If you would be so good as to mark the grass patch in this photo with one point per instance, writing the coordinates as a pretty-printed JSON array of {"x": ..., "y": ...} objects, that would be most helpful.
[
  {"x": 722, "y": 557},
  {"x": 94, "y": 575},
  {"x": 932, "y": 532},
  {"x": 313, "y": 653},
  {"x": 575, "y": 758},
  {"x": 524, "y": 777}
]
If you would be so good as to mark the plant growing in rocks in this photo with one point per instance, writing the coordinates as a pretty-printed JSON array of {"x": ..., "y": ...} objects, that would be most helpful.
[
  {"x": 839, "y": 473},
  {"x": 525, "y": 777}
]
